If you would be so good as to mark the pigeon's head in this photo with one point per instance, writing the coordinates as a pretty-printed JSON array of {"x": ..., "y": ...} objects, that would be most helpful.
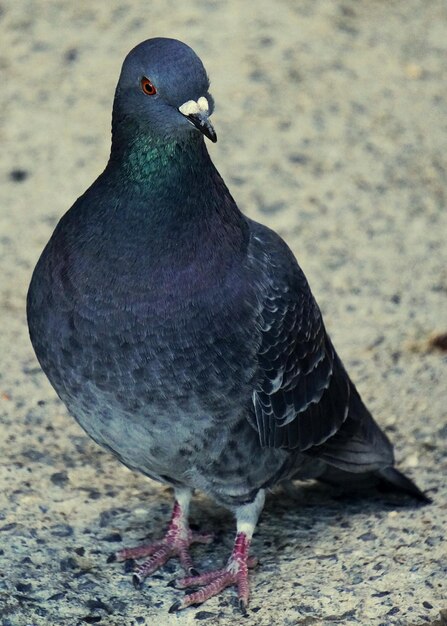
[{"x": 163, "y": 90}]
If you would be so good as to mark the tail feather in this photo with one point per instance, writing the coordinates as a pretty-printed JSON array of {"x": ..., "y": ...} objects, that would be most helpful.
[
  {"x": 395, "y": 479},
  {"x": 359, "y": 446},
  {"x": 359, "y": 455},
  {"x": 388, "y": 478}
]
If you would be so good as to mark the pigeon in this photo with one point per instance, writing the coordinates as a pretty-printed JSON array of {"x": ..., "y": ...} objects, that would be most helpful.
[{"x": 183, "y": 336}]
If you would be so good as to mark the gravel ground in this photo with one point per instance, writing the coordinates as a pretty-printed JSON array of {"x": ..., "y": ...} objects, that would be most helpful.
[{"x": 332, "y": 121}]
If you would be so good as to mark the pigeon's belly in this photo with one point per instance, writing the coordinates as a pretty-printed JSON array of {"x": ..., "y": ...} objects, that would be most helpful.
[
  {"x": 200, "y": 440},
  {"x": 154, "y": 439},
  {"x": 213, "y": 453}
]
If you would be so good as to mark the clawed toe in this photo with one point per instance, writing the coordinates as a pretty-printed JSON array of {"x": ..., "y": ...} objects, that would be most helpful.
[
  {"x": 200, "y": 580},
  {"x": 215, "y": 583},
  {"x": 212, "y": 583},
  {"x": 176, "y": 543},
  {"x": 243, "y": 607},
  {"x": 137, "y": 581},
  {"x": 138, "y": 552}
]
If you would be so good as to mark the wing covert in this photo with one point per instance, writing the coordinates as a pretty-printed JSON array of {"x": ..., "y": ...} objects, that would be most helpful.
[{"x": 302, "y": 395}]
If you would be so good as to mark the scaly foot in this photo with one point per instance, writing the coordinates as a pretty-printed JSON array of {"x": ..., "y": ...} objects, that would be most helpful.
[
  {"x": 176, "y": 542},
  {"x": 212, "y": 583}
]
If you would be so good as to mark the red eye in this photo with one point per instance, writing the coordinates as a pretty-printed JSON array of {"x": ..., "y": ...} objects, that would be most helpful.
[{"x": 148, "y": 87}]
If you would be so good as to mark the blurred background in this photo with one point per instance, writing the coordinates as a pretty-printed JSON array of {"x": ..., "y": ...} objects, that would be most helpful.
[{"x": 331, "y": 118}]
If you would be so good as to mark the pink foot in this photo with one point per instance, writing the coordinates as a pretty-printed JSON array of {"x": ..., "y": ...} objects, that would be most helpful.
[
  {"x": 176, "y": 542},
  {"x": 235, "y": 573}
]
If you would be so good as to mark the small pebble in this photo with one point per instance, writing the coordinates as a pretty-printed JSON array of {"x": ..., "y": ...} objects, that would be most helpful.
[
  {"x": 93, "y": 494},
  {"x": 414, "y": 71},
  {"x": 41, "y": 611},
  {"x": 68, "y": 564},
  {"x": 129, "y": 566},
  {"x": 18, "y": 175},
  {"x": 97, "y": 604},
  {"x": 368, "y": 536},
  {"x": 24, "y": 587},
  {"x": 412, "y": 460},
  {"x": 204, "y": 615},
  {"x": 113, "y": 537},
  {"x": 393, "y": 611},
  {"x": 71, "y": 55},
  {"x": 61, "y": 530},
  {"x": 59, "y": 478},
  {"x": 57, "y": 596}
]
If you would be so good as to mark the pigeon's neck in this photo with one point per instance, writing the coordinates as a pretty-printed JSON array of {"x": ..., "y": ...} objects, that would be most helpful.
[
  {"x": 149, "y": 161},
  {"x": 170, "y": 196}
]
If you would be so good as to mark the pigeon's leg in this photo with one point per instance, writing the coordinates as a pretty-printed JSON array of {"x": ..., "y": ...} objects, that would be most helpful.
[
  {"x": 176, "y": 542},
  {"x": 236, "y": 570}
]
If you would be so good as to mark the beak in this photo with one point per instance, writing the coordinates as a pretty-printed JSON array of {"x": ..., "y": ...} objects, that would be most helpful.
[{"x": 198, "y": 114}]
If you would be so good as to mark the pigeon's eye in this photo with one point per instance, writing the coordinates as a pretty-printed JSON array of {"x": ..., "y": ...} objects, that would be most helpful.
[{"x": 148, "y": 87}]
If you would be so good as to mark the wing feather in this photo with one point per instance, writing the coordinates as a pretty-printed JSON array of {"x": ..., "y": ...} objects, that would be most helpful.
[{"x": 301, "y": 398}]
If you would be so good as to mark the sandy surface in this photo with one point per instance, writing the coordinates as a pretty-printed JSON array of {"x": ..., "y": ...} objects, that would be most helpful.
[{"x": 332, "y": 125}]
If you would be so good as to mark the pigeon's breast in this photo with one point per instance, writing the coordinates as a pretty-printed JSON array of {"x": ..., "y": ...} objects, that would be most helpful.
[{"x": 143, "y": 364}]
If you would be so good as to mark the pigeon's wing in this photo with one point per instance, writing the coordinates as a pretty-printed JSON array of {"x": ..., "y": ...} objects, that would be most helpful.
[{"x": 302, "y": 391}]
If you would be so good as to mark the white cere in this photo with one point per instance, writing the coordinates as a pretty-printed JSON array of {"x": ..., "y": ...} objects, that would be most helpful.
[{"x": 194, "y": 108}]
